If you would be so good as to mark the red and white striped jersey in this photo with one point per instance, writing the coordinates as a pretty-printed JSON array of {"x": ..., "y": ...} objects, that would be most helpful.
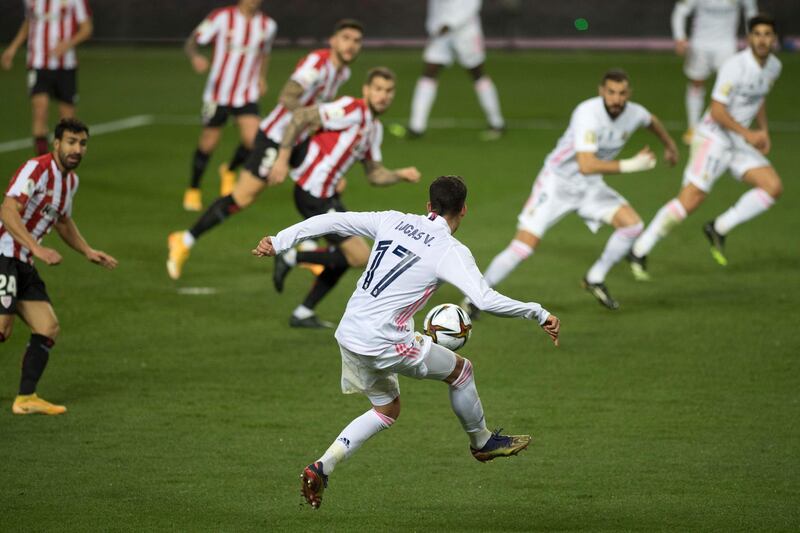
[
  {"x": 349, "y": 133},
  {"x": 320, "y": 80},
  {"x": 49, "y": 23},
  {"x": 45, "y": 194},
  {"x": 239, "y": 46}
]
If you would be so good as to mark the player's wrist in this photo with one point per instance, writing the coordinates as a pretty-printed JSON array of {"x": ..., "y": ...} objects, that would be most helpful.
[{"x": 637, "y": 163}]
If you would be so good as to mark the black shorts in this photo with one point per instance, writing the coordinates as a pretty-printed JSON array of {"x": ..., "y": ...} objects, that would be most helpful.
[
  {"x": 215, "y": 116},
  {"x": 309, "y": 206},
  {"x": 264, "y": 153},
  {"x": 19, "y": 281},
  {"x": 61, "y": 84}
]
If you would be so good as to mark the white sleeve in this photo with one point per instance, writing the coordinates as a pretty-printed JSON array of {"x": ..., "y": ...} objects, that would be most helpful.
[
  {"x": 457, "y": 267},
  {"x": 82, "y": 11},
  {"x": 726, "y": 81},
  {"x": 645, "y": 116},
  {"x": 750, "y": 10},
  {"x": 272, "y": 31},
  {"x": 584, "y": 125},
  {"x": 340, "y": 114},
  {"x": 348, "y": 223},
  {"x": 307, "y": 74},
  {"x": 681, "y": 11},
  {"x": 207, "y": 29}
]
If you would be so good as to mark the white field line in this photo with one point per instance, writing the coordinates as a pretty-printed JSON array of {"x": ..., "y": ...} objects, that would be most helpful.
[
  {"x": 103, "y": 128},
  {"x": 137, "y": 121}
]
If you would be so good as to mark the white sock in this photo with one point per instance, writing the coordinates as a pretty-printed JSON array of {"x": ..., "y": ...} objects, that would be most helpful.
[
  {"x": 487, "y": 96},
  {"x": 290, "y": 256},
  {"x": 671, "y": 214},
  {"x": 301, "y": 312},
  {"x": 352, "y": 437},
  {"x": 506, "y": 261},
  {"x": 188, "y": 239},
  {"x": 467, "y": 406},
  {"x": 421, "y": 103},
  {"x": 750, "y": 205},
  {"x": 695, "y": 101},
  {"x": 616, "y": 248}
]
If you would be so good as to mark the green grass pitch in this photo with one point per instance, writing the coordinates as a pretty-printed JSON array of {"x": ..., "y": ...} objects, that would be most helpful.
[{"x": 197, "y": 412}]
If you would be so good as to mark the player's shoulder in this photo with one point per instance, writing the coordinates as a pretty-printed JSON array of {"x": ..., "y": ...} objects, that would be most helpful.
[
  {"x": 319, "y": 56},
  {"x": 773, "y": 65},
  {"x": 220, "y": 11},
  {"x": 588, "y": 108},
  {"x": 637, "y": 109}
]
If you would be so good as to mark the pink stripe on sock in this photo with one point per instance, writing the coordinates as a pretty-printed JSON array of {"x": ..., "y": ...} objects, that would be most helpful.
[
  {"x": 385, "y": 419},
  {"x": 466, "y": 373},
  {"x": 677, "y": 209},
  {"x": 765, "y": 198}
]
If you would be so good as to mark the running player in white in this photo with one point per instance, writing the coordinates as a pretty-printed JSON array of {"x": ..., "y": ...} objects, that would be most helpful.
[
  {"x": 713, "y": 40},
  {"x": 724, "y": 141},
  {"x": 454, "y": 27},
  {"x": 572, "y": 181},
  {"x": 412, "y": 255},
  {"x": 53, "y": 31},
  {"x": 242, "y": 37},
  {"x": 316, "y": 79}
]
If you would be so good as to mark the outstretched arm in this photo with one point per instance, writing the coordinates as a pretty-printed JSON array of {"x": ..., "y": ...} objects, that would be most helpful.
[
  {"x": 670, "y": 148},
  {"x": 348, "y": 223},
  {"x": 290, "y": 95},
  {"x": 7, "y": 59},
  {"x": 69, "y": 233},
  {"x": 377, "y": 174},
  {"x": 589, "y": 163}
]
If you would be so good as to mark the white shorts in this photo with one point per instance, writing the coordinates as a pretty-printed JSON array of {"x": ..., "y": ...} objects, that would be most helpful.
[
  {"x": 713, "y": 152},
  {"x": 464, "y": 45},
  {"x": 376, "y": 375},
  {"x": 554, "y": 196},
  {"x": 702, "y": 61}
]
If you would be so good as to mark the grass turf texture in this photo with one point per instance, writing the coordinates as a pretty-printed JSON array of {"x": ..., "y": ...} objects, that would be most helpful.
[{"x": 198, "y": 412}]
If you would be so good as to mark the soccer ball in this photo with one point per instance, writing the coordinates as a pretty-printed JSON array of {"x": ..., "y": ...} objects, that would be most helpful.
[{"x": 448, "y": 325}]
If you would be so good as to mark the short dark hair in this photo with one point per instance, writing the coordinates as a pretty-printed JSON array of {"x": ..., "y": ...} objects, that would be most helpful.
[
  {"x": 72, "y": 125},
  {"x": 345, "y": 24},
  {"x": 615, "y": 74},
  {"x": 447, "y": 195},
  {"x": 380, "y": 72},
  {"x": 761, "y": 18}
]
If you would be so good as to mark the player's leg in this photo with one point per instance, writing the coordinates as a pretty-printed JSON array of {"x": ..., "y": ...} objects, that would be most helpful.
[
  {"x": 247, "y": 122},
  {"x": 40, "y": 103},
  {"x": 66, "y": 92},
  {"x": 355, "y": 253},
  {"x": 767, "y": 188},
  {"x": 41, "y": 319},
  {"x": 698, "y": 67},
  {"x": 468, "y": 43},
  {"x": 424, "y": 95}
]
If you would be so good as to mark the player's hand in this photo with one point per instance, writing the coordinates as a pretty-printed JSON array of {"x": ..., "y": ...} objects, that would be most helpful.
[
  {"x": 759, "y": 139},
  {"x": 681, "y": 47},
  {"x": 199, "y": 63},
  {"x": 48, "y": 255},
  {"x": 552, "y": 326},
  {"x": 7, "y": 59},
  {"x": 264, "y": 248},
  {"x": 410, "y": 174},
  {"x": 341, "y": 185},
  {"x": 262, "y": 86},
  {"x": 61, "y": 49},
  {"x": 278, "y": 173},
  {"x": 644, "y": 160},
  {"x": 671, "y": 155},
  {"x": 101, "y": 258}
]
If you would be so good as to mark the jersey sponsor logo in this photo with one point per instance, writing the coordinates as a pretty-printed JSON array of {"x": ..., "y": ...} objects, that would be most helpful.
[
  {"x": 414, "y": 233},
  {"x": 49, "y": 212}
]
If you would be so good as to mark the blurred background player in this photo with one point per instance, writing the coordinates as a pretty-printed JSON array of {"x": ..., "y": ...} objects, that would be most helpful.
[
  {"x": 376, "y": 336},
  {"x": 316, "y": 78},
  {"x": 724, "y": 141},
  {"x": 243, "y": 38},
  {"x": 347, "y": 130},
  {"x": 454, "y": 27},
  {"x": 572, "y": 181},
  {"x": 713, "y": 40},
  {"x": 38, "y": 198},
  {"x": 53, "y": 30}
]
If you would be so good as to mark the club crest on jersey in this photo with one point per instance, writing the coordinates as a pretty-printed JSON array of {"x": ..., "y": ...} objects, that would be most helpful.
[{"x": 5, "y": 301}]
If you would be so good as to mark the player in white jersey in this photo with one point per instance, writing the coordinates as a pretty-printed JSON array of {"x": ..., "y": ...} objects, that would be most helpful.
[
  {"x": 347, "y": 130},
  {"x": 316, "y": 78},
  {"x": 454, "y": 27},
  {"x": 724, "y": 141},
  {"x": 412, "y": 255},
  {"x": 572, "y": 181},
  {"x": 38, "y": 199},
  {"x": 53, "y": 29},
  {"x": 713, "y": 40},
  {"x": 242, "y": 36}
]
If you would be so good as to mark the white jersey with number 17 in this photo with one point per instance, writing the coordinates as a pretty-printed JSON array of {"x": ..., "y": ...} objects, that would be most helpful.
[{"x": 411, "y": 256}]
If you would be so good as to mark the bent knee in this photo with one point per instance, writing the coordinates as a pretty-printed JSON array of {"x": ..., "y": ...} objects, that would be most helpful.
[
  {"x": 5, "y": 334},
  {"x": 774, "y": 189},
  {"x": 391, "y": 410},
  {"x": 50, "y": 331}
]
